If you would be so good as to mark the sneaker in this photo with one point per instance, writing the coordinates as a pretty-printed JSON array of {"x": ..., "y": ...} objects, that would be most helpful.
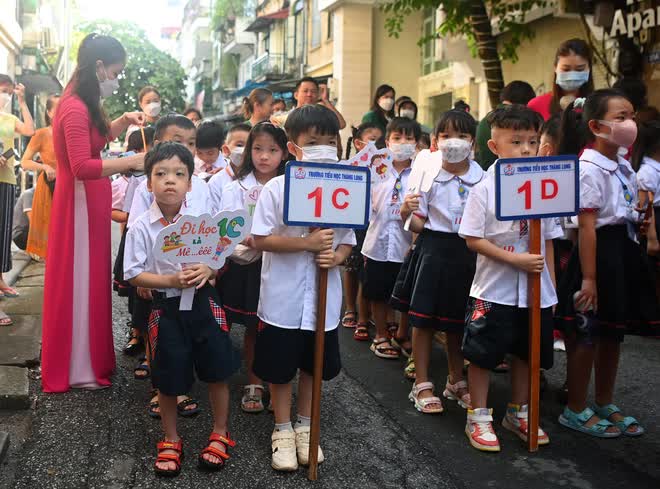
[
  {"x": 302, "y": 445},
  {"x": 284, "y": 451},
  {"x": 516, "y": 422},
  {"x": 479, "y": 430},
  {"x": 559, "y": 345}
]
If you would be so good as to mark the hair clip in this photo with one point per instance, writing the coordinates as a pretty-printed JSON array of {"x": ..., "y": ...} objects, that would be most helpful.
[{"x": 578, "y": 103}]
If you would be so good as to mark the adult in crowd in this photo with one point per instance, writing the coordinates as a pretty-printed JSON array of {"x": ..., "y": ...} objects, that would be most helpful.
[
  {"x": 308, "y": 92},
  {"x": 10, "y": 126},
  {"x": 150, "y": 104},
  {"x": 382, "y": 108},
  {"x": 278, "y": 107},
  {"x": 193, "y": 114},
  {"x": 573, "y": 78},
  {"x": 41, "y": 143},
  {"x": 516, "y": 92},
  {"x": 406, "y": 107},
  {"x": 257, "y": 107},
  {"x": 77, "y": 347}
]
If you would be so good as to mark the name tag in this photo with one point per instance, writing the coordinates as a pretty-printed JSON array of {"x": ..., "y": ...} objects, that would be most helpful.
[{"x": 394, "y": 211}]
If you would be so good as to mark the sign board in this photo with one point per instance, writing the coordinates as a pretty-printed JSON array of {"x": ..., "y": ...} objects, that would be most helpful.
[
  {"x": 536, "y": 187},
  {"x": 326, "y": 195}
]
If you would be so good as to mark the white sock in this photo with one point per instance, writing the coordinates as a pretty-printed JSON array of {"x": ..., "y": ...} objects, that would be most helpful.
[
  {"x": 303, "y": 421},
  {"x": 283, "y": 426}
]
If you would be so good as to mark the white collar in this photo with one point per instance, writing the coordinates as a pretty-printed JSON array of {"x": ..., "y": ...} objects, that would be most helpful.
[
  {"x": 155, "y": 214},
  {"x": 597, "y": 158},
  {"x": 397, "y": 175},
  {"x": 471, "y": 177},
  {"x": 249, "y": 181},
  {"x": 651, "y": 162}
]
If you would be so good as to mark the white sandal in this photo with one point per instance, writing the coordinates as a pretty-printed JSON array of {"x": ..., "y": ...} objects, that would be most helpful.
[
  {"x": 422, "y": 405},
  {"x": 250, "y": 396}
]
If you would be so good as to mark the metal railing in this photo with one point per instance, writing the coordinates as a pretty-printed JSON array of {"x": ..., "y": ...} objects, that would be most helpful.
[{"x": 267, "y": 65}]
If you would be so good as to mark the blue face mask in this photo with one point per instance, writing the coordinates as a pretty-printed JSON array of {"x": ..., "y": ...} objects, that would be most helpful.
[{"x": 572, "y": 80}]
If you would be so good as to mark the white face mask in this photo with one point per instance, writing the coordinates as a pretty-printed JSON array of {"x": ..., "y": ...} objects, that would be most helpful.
[
  {"x": 236, "y": 156},
  {"x": 454, "y": 150},
  {"x": 409, "y": 113},
  {"x": 152, "y": 109},
  {"x": 107, "y": 86},
  {"x": 403, "y": 151},
  {"x": 386, "y": 103},
  {"x": 5, "y": 102},
  {"x": 321, "y": 153}
]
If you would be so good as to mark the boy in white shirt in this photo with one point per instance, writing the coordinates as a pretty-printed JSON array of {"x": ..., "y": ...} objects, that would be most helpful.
[
  {"x": 208, "y": 155},
  {"x": 498, "y": 321},
  {"x": 288, "y": 295},
  {"x": 386, "y": 243},
  {"x": 180, "y": 341},
  {"x": 232, "y": 151}
]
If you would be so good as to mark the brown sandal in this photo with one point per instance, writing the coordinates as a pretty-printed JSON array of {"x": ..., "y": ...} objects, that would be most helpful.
[
  {"x": 226, "y": 441},
  {"x": 361, "y": 332},
  {"x": 176, "y": 446}
]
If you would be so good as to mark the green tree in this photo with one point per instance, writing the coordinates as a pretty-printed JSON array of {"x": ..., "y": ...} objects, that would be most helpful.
[
  {"x": 145, "y": 65},
  {"x": 474, "y": 20}
]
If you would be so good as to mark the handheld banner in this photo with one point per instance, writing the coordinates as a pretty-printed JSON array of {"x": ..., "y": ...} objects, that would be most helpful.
[
  {"x": 379, "y": 162},
  {"x": 425, "y": 169}
]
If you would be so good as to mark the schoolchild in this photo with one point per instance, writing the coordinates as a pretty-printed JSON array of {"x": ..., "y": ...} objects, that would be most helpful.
[
  {"x": 439, "y": 280},
  {"x": 263, "y": 160},
  {"x": 386, "y": 242},
  {"x": 498, "y": 315},
  {"x": 607, "y": 290},
  {"x": 646, "y": 158},
  {"x": 183, "y": 344},
  {"x": 208, "y": 149},
  {"x": 232, "y": 151},
  {"x": 287, "y": 311},
  {"x": 357, "y": 309}
]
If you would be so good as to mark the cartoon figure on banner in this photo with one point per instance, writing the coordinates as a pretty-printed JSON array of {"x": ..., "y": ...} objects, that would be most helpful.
[
  {"x": 223, "y": 244},
  {"x": 379, "y": 161}
]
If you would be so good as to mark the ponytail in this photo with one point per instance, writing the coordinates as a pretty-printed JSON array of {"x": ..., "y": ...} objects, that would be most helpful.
[{"x": 258, "y": 95}]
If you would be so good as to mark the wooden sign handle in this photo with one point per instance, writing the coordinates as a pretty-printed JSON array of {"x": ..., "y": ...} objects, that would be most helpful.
[
  {"x": 319, "y": 347},
  {"x": 534, "y": 360}
]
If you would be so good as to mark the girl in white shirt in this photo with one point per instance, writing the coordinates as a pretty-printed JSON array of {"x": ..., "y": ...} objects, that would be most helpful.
[
  {"x": 607, "y": 290},
  {"x": 646, "y": 158},
  {"x": 264, "y": 158},
  {"x": 439, "y": 280}
]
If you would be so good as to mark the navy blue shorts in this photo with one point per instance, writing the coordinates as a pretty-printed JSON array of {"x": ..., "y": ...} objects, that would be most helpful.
[{"x": 185, "y": 343}]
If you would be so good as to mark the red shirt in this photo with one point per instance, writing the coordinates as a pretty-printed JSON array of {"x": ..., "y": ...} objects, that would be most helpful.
[{"x": 541, "y": 104}]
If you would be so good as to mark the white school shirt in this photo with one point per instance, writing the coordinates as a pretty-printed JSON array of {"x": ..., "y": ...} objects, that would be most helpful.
[
  {"x": 133, "y": 183},
  {"x": 601, "y": 188},
  {"x": 198, "y": 199},
  {"x": 443, "y": 205},
  {"x": 219, "y": 163},
  {"x": 289, "y": 281},
  {"x": 217, "y": 184},
  {"x": 140, "y": 240},
  {"x": 233, "y": 196},
  {"x": 495, "y": 281},
  {"x": 648, "y": 178},
  {"x": 386, "y": 240},
  {"x": 119, "y": 186}
]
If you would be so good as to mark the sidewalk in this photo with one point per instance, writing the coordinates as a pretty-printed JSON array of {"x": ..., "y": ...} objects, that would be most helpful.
[{"x": 20, "y": 349}]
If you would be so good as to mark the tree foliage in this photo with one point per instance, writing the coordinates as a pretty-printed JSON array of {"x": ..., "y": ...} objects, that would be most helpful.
[
  {"x": 145, "y": 65},
  {"x": 507, "y": 16},
  {"x": 224, "y": 10}
]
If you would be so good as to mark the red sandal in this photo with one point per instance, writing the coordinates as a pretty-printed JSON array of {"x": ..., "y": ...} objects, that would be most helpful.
[
  {"x": 211, "y": 450},
  {"x": 176, "y": 446},
  {"x": 361, "y": 332}
]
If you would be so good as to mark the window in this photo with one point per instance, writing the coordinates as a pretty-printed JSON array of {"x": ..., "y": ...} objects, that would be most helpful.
[
  {"x": 331, "y": 25},
  {"x": 432, "y": 47},
  {"x": 316, "y": 24}
]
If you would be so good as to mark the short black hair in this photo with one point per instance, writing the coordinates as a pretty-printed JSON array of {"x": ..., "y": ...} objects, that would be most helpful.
[
  {"x": 515, "y": 116},
  {"x": 459, "y": 120},
  {"x": 242, "y": 127},
  {"x": 191, "y": 110},
  {"x": 305, "y": 79},
  {"x": 303, "y": 119},
  {"x": 6, "y": 80},
  {"x": 517, "y": 92},
  {"x": 165, "y": 151},
  {"x": 135, "y": 142},
  {"x": 172, "y": 120},
  {"x": 551, "y": 127},
  {"x": 210, "y": 134},
  {"x": 405, "y": 126}
]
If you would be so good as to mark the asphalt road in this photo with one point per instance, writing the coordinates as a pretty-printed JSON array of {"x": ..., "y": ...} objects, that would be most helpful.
[{"x": 371, "y": 435}]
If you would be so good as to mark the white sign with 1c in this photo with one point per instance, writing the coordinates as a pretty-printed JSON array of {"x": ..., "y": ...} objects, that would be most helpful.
[
  {"x": 326, "y": 195},
  {"x": 537, "y": 187}
]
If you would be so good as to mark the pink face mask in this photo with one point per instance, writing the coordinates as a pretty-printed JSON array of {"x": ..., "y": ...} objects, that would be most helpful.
[{"x": 621, "y": 133}]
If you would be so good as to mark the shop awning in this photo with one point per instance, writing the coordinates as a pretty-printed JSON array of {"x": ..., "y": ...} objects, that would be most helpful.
[
  {"x": 247, "y": 88},
  {"x": 263, "y": 22}
]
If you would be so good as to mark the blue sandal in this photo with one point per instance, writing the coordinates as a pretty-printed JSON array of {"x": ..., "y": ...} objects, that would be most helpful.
[
  {"x": 606, "y": 411},
  {"x": 577, "y": 422}
]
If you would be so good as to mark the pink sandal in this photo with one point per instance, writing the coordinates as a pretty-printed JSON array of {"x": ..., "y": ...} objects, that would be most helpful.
[{"x": 9, "y": 292}]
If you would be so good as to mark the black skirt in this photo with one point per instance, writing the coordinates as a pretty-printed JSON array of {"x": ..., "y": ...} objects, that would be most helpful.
[
  {"x": 355, "y": 261},
  {"x": 238, "y": 287},
  {"x": 443, "y": 273},
  {"x": 627, "y": 302},
  {"x": 405, "y": 281},
  {"x": 119, "y": 285}
]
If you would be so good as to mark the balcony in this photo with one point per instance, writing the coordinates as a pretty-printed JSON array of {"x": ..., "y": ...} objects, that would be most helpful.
[
  {"x": 236, "y": 40},
  {"x": 269, "y": 67}
]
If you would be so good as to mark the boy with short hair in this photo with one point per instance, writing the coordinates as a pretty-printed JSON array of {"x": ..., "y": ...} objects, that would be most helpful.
[
  {"x": 232, "y": 151},
  {"x": 208, "y": 156},
  {"x": 498, "y": 321},
  {"x": 288, "y": 295},
  {"x": 386, "y": 242},
  {"x": 180, "y": 341}
]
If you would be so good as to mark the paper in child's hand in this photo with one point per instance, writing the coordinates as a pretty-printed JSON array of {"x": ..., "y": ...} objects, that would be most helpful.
[
  {"x": 424, "y": 171},
  {"x": 379, "y": 161}
]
